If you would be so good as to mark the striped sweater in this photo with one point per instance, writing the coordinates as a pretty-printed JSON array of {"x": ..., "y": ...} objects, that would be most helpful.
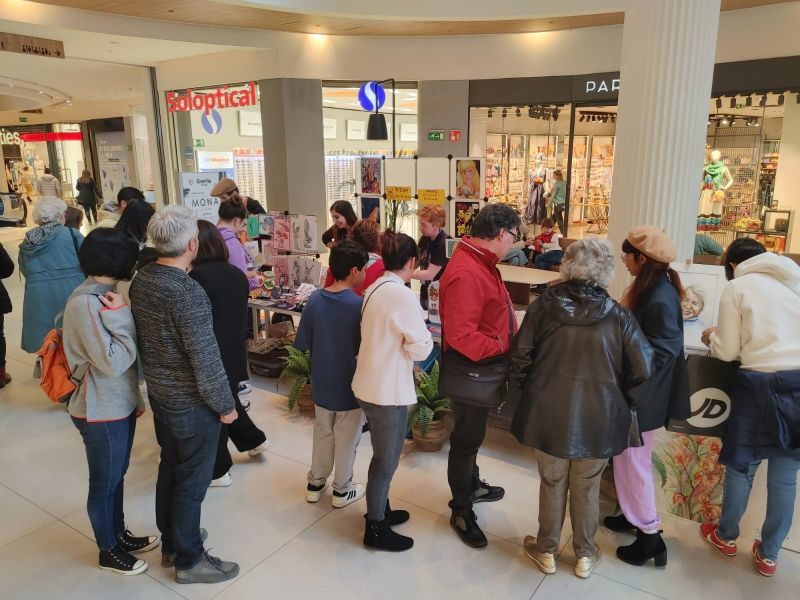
[{"x": 180, "y": 356}]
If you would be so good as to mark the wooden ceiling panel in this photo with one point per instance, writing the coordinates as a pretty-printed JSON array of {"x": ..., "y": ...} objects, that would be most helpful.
[{"x": 220, "y": 14}]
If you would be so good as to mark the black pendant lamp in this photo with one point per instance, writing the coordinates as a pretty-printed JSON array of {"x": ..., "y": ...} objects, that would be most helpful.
[{"x": 376, "y": 127}]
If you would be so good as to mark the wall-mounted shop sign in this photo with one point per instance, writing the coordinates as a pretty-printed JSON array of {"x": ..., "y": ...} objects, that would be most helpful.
[
  {"x": 10, "y": 138},
  {"x": 599, "y": 86},
  {"x": 23, "y": 119},
  {"x": 24, "y": 44},
  {"x": 195, "y": 189},
  {"x": 222, "y": 97},
  {"x": 436, "y": 135},
  {"x": 250, "y": 123},
  {"x": 370, "y": 94}
]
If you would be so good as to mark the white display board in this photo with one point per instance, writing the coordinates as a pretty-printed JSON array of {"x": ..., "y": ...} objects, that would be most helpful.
[
  {"x": 703, "y": 285},
  {"x": 400, "y": 178},
  {"x": 433, "y": 180},
  {"x": 356, "y": 130},
  {"x": 210, "y": 160},
  {"x": 467, "y": 177},
  {"x": 250, "y": 123},
  {"x": 195, "y": 192}
]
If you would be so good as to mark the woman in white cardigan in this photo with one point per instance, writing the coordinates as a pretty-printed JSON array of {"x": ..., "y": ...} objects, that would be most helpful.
[{"x": 393, "y": 336}]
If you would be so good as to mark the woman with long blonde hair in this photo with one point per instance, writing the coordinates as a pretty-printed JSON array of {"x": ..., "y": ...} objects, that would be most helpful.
[{"x": 88, "y": 196}]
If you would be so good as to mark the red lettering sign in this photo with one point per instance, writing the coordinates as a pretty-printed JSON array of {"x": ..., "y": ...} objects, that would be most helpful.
[
  {"x": 52, "y": 136},
  {"x": 223, "y": 97}
]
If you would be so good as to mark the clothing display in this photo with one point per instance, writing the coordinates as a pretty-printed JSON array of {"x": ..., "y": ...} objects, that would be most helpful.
[
  {"x": 432, "y": 252},
  {"x": 716, "y": 179},
  {"x": 536, "y": 210}
]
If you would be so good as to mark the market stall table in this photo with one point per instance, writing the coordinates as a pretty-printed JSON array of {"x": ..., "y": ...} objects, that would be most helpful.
[{"x": 519, "y": 280}]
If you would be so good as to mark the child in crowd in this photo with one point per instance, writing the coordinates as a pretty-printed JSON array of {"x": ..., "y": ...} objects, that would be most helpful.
[
  {"x": 331, "y": 330},
  {"x": 546, "y": 246},
  {"x": 73, "y": 218}
]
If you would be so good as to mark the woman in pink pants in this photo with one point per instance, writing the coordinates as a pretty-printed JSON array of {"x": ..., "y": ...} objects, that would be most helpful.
[{"x": 655, "y": 299}]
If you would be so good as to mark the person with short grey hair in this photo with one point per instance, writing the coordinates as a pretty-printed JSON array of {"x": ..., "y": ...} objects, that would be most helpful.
[
  {"x": 188, "y": 389},
  {"x": 576, "y": 355},
  {"x": 48, "y": 259}
]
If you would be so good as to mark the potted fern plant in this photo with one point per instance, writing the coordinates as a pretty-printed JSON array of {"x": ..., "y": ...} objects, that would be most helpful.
[
  {"x": 298, "y": 373},
  {"x": 426, "y": 418}
]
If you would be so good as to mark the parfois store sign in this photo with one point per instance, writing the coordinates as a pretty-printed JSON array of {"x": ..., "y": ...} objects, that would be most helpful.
[{"x": 222, "y": 97}]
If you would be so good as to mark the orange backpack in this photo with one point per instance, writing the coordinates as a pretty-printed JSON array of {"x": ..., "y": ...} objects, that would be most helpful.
[{"x": 57, "y": 380}]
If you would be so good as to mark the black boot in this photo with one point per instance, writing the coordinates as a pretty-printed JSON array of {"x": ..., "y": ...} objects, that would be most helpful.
[
  {"x": 466, "y": 526},
  {"x": 380, "y": 536},
  {"x": 646, "y": 546},
  {"x": 619, "y": 524},
  {"x": 396, "y": 517}
]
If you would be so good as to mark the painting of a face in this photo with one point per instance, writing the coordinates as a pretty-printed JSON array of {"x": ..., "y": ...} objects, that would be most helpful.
[{"x": 694, "y": 302}]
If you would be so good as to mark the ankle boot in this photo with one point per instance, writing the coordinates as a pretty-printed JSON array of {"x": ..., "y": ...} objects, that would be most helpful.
[
  {"x": 395, "y": 517},
  {"x": 380, "y": 536},
  {"x": 646, "y": 546},
  {"x": 5, "y": 378},
  {"x": 619, "y": 524}
]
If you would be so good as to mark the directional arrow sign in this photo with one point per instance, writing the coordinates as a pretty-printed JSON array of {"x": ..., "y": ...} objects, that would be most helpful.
[{"x": 23, "y": 44}]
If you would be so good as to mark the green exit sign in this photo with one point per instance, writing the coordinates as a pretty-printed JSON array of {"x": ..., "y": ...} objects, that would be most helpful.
[
  {"x": 23, "y": 119},
  {"x": 436, "y": 135},
  {"x": 198, "y": 143}
]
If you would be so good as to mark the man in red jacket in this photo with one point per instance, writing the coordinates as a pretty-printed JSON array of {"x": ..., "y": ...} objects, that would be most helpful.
[{"x": 477, "y": 316}]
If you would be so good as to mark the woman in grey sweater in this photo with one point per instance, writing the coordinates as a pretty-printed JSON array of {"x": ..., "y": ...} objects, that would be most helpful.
[{"x": 100, "y": 346}]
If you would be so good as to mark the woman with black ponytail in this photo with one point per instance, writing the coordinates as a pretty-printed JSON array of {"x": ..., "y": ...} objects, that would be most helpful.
[{"x": 655, "y": 299}]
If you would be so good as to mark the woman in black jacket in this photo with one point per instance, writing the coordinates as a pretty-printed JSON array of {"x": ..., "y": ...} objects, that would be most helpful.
[
  {"x": 655, "y": 298},
  {"x": 88, "y": 196},
  {"x": 227, "y": 290},
  {"x": 6, "y": 270},
  {"x": 575, "y": 412}
]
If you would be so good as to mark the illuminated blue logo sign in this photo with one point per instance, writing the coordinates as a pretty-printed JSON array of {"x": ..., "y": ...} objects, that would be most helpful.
[
  {"x": 212, "y": 122},
  {"x": 370, "y": 94}
]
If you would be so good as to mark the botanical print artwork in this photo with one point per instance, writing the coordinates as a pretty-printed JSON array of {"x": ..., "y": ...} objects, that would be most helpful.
[
  {"x": 688, "y": 476},
  {"x": 304, "y": 233},
  {"x": 465, "y": 215},
  {"x": 253, "y": 251},
  {"x": 305, "y": 270},
  {"x": 280, "y": 268},
  {"x": 282, "y": 235},
  {"x": 268, "y": 252}
]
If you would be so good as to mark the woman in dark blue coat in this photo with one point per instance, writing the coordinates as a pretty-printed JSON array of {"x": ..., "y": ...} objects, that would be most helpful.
[{"x": 655, "y": 299}]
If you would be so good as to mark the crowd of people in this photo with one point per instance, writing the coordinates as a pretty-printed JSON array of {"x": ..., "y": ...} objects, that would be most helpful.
[{"x": 625, "y": 376}]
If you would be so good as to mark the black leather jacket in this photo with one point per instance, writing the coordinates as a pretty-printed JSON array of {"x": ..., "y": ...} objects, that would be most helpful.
[{"x": 576, "y": 355}]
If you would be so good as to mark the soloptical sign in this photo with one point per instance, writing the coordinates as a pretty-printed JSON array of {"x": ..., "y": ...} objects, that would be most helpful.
[{"x": 222, "y": 97}]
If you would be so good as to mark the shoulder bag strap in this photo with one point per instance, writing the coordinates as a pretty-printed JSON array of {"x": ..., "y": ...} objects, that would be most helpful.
[{"x": 363, "y": 308}]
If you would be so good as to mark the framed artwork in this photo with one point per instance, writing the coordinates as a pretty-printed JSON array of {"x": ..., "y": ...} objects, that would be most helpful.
[
  {"x": 467, "y": 179},
  {"x": 253, "y": 251},
  {"x": 304, "y": 270},
  {"x": 463, "y": 214},
  {"x": 282, "y": 234},
  {"x": 280, "y": 268},
  {"x": 253, "y": 227},
  {"x": 304, "y": 233},
  {"x": 450, "y": 246},
  {"x": 371, "y": 207},
  {"x": 266, "y": 224},
  {"x": 703, "y": 285},
  {"x": 408, "y": 132},
  {"x": 268, "y": 252},
  {"x": 356, "y": 130},
  {"x": 371, "y": 171}
]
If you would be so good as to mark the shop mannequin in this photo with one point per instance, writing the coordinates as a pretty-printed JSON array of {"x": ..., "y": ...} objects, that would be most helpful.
[
  {"x": 537, "y": 208},
  {"x": 716, "y": 179}
]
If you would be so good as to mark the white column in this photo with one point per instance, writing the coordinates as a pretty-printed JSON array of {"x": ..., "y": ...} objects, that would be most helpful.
[
  {"x": 788, "y": 167},
  {"x": 666, "y": 71}
]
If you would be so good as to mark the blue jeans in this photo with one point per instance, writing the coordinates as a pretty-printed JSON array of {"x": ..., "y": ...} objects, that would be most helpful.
[
  {"x": 516, "y": 257},
  {"x": 549, "y": 259},
  {"x": 188, "y": 438},
  {"x": 108, "y": 452},
  {"x": 781, "y": 489}
]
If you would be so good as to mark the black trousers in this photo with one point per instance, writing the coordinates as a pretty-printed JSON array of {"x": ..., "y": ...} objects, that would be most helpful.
[
  {"x": 2, "y": 342},
  {"x": 91, "y": 212},
  {"x": 242, "y": 432},
  {"x": 463, "y": 474}
]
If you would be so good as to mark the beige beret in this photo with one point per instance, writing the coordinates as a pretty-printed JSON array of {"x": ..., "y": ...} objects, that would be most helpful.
[
  {"x": 224, "y": 186},
  {"x": 653, "y": 243}
]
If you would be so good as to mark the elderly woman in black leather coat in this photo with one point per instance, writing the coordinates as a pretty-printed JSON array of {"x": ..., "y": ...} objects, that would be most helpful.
[{"x": 577, "y": 354}]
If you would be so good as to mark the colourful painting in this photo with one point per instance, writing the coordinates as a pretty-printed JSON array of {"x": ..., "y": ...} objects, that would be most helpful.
[
  {"x": 280, "y": 268},
  {"x": 371, "y": 175},
  {"x": 468, "y": 179},
  {"x": 282, "y": 234},
  {"x": 371, "y": 208},
  {"x": 266, "y": 223},
  {"x": 465, "y": 215}
]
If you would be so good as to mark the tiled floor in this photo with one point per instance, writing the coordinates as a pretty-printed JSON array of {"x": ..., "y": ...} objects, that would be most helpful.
[{"x": 290, "y": 549}]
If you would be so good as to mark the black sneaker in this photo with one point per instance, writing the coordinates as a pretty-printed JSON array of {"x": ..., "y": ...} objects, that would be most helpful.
[
  {"x": 466, "y": 526},
  {"x": 130, "y": 543},
  {"x": 488, "y": 493},
  {"x": 121, "y": 562}
]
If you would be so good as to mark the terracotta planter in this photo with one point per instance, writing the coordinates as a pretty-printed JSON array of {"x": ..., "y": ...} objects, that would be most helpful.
[
  {"x": 304, "y": 400},
  {"x": 433, "y": 441}
]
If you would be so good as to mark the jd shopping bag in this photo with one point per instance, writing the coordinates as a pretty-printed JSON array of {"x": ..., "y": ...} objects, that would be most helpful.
[{"x": 710, "y": 381}]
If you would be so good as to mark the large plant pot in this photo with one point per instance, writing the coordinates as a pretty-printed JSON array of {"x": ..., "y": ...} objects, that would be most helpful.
[
  {"x": 304, "y": 400},
  {"x": 433, "y": 441}
]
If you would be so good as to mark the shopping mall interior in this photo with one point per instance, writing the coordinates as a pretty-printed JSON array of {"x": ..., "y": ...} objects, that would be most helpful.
[{"x": 683, "y": 114}]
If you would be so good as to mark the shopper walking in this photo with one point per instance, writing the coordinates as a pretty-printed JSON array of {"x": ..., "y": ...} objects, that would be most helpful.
[
  {"x": 331, "y": 331},
  {"x": 227, "y": 291},
  {"x": 393, "y": 336},
  {"x": 88, "y": 196},
  {"x": 758, "y": 319},
  {"x": 188, "y": 389},
  {"x": 344, "y": 217},
  {"x": 100, "y": 346},
  {"x": 6, "y": 270},
  {"x": 432, "y": 249},
  {"x": 367, "y": 234},
  {"x": 49, "y": 186},
  {"x": 48, "y": 260},
  {"x": 26, "y": 181},
  {"x": 575, "y": 413},
  {"x": 655, "y": 299},
  {"x": 477, "y": 324},
  {"x": 558, "y": 196}
]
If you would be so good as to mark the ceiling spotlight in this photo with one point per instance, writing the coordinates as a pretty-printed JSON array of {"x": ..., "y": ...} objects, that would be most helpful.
[
  {"x": 10, "y": 83},
  {"x": 41, "y": 91},
  {"x": 725, "y": 121},
  {"x": 519, "y": 112},
  {"x": 781, "y": 100},
  {"x": 489, "y": 113},
  {"x": 749, "y": 101},
  {"x": 733, "y": 102}
]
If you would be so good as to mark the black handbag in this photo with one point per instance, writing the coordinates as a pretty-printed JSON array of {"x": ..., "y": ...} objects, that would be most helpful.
[{"x": 483, "y": 383}]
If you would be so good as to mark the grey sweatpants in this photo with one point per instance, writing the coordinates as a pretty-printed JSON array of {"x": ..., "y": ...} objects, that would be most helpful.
[
  {"x": 387, "y": 428},
  {"x": 581, "y": 478},
  {"x": 336, "y": 437}
]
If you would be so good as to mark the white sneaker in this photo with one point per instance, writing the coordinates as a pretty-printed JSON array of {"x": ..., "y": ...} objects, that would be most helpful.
[
  {"x": 260, "y": 449},
  {"x": 245, "y": 388},
  {"x": 356, "y": 491},
  {"x": 314, "y": 494},
  {"x": 546, "y": 561},
  {"x": 224, "y": 481},
  {"x": 586, "y": 565}
]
